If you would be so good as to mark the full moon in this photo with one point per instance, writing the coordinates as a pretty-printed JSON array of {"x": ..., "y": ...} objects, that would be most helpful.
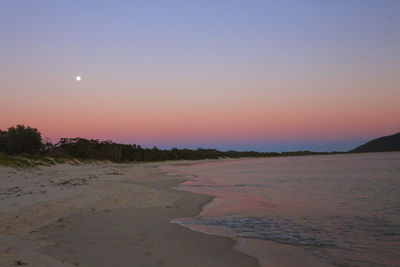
[{"x": 78, "y": 78}]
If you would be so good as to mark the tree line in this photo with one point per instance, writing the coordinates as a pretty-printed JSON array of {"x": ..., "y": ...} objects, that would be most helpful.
[{"x": 25, "y": 140}]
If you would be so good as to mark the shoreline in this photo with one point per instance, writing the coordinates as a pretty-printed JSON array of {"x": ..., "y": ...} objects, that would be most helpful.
[
  {"x": 127, "y": 221},
  {"x": 268, "y": 253}
]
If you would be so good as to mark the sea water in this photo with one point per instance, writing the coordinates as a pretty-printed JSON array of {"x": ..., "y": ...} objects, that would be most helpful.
[{"x": 343, "y": 209}]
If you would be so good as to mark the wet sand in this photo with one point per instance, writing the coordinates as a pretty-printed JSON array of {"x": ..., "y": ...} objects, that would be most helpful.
[{"x": 103, "y": 215}]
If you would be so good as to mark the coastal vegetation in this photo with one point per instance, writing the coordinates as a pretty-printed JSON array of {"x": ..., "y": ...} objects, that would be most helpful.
[
  {"x": 21, "y": 140},
  {"x": 27, "y": 142}
]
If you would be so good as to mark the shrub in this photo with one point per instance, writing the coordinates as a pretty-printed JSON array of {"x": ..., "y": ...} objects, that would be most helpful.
[{"x": 20, "y": 140}]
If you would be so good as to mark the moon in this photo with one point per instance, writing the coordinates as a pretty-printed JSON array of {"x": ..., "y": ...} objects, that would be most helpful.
[{"x": 78, "y": 78}]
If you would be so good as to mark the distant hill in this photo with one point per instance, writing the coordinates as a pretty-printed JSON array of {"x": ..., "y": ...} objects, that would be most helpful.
[{"x": 381, "y": 144}]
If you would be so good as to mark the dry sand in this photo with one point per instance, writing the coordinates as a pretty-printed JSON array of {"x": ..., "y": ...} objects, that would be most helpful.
[{"x": 103, "y": 215}]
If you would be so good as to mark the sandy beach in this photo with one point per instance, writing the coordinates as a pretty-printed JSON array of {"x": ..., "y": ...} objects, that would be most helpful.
[{"x": 103, "y": 214}]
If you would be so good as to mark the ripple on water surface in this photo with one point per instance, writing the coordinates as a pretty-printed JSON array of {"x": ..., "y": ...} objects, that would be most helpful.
[{"x": 343, "y": 208}]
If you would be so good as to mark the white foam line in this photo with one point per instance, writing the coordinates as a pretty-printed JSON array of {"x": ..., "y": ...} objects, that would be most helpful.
[{"x": 191, "y": 228}]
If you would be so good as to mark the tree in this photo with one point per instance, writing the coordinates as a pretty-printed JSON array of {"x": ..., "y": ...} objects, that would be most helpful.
[
  {"x": 3, "y": 141},
  {"x": 22, "y": 139}
]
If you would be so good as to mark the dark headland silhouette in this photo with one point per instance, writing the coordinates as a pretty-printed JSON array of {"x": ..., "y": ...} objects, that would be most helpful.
[{"x": 381, "y": 144}]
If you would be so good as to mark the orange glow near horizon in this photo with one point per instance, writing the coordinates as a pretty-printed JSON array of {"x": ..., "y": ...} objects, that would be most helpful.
[{"x": 171, "y": 124}]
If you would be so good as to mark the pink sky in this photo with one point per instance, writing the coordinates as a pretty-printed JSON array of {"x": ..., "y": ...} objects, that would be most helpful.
[{"x": 283, "y": 73}]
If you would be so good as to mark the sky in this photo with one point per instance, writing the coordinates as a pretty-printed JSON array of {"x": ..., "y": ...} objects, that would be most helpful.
[{"x": 244, "y": 75}]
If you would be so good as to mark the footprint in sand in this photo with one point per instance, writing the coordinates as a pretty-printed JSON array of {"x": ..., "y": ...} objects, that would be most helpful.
[
  {"x": 160, "y": 262},
  {"x": 148, "y": 253}
]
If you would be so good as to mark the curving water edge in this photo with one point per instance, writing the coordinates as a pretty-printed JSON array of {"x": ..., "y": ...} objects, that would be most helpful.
[{"x": 341, "y": 209}]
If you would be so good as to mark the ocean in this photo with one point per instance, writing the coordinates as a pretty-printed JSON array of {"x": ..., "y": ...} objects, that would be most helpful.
[{"x": 344, "y": 209}]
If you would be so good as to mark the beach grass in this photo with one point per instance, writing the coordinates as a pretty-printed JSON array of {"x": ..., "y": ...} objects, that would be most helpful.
[{"x": 30, "y": 161}]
